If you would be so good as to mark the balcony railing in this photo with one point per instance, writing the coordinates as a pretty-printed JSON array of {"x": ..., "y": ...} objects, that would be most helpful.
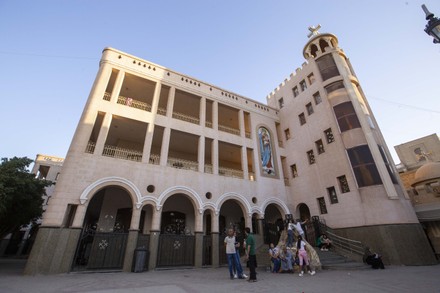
[
  {"x": 229, "y": 129},
  {"x": 247, "y": 134},
  {"x": 121, "y": 153},
  {"x": 134, "y": 103},
  {"x": 208, "y": 168},
  {"x": 107, "y": 96},
  {"x": 154, "y": 159},
  {"x": 208, "y": 124},
  {"x": 162, "y": 111},
  {"x": 90, "y": 148},
  {"x": 182, "y": 164},
  {"x": 186, "y": 118},
  {"x": 228, "y": 172}
]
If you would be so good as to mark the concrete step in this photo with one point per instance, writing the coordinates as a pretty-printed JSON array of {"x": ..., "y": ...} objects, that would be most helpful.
[{"x": 330, "y": 260}]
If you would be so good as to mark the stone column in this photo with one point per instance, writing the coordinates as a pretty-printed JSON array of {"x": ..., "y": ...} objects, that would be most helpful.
[
  {"x": 154, "y": 239},
  {"x": 244, "y": 163},
  {"x": 103, "y": 133},
  {"x": 203, "y": 112},
  {"x": 117, "y": 87},
  {"x": 198, "y": 246},
  {"x": 261, "y": 226},
  {"x": 170, "y": 105},
  {"x": 215, "y": 240},
  {"x": 165, "y": 146},
  {"x": 129, "y": 250},
  {"x": 214, "y": 156},
  {"x": 201, "y": 154},
  {"x": 215, "y": 115},
  {"x": 150, "y": 129}
]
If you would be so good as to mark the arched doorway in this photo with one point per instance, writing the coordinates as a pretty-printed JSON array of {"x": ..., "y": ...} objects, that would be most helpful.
[
  {"x": 273, "y": 224},
  {"x": 105, "y": 231},
  {"x": 231, "y": 216},
  {"x": 176, "y": 241}
]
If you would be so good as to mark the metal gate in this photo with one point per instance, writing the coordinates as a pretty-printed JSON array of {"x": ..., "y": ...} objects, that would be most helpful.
[
  {"x": 271, "y": 233},
  {"x": 175, "y": 250},
  {"x": 100, "y": 251},
  {"x": 207, "y": 250}
]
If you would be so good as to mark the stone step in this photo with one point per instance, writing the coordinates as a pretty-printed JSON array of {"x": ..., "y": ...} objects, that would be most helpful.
[{"x": 330, "y": 260}]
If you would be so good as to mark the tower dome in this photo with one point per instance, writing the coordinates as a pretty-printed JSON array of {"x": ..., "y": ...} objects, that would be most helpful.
[{"x": 429, "y": 171}]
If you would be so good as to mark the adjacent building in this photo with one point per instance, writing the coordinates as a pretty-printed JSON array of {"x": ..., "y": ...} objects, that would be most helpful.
[{"x": 164, "y": 161}]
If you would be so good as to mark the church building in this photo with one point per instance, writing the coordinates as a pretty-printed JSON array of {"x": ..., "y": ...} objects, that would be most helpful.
[{"x": 165, "y": 162}]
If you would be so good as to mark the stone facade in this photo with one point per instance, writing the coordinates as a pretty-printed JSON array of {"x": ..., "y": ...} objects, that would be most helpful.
[{"x": 158, "y": 153}]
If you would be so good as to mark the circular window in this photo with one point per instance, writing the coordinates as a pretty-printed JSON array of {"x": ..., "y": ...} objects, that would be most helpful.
[
  {"x": 208, "y": 195},
  {"x": 150, "y": 188},
  {"x": 254, "y": 200}
]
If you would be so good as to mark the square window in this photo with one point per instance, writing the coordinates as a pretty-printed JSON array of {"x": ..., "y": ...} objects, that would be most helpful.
[
  {"x": 322, "y": 205},
  {"x": 295, "y": 92},
  {"x": 303, "y": 85},
  {"x": 309, "y": 108},
  {"x": 317, "y": 98},
  {"x": 311, "y": 157},
  {"x": 294, "y": 170},
  {"x": 343, "y": 184},
  {"x": 302, "y": 118},
  {"x": 332, "y": 195},
  {"x": 281, "y": 102},
  {"x": 287, "y": 133},
  {"x": 329, "y": 135},
  {"x": 319, "y": 146},
  {"x": 311, "y": 78}
]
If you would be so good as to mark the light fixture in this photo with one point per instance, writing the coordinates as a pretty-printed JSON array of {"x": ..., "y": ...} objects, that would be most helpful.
[{"x": 433, "y": 26}]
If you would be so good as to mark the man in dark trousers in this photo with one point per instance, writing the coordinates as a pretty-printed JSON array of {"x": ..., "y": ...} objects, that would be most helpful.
[{"x": 250, "y": 254}]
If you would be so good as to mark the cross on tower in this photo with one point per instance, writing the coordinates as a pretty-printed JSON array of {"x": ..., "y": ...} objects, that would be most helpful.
[{"x": 313, "y": 30}]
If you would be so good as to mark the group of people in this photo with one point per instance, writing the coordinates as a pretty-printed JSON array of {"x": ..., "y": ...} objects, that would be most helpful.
[
  {"x": 283, "y": 260},
  {"x": 232, "y": 245}
]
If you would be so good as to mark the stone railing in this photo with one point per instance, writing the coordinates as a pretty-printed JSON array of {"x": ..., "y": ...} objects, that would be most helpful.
[
  {"x": 182, "y": 164},
  {"x": 162, "y": 111},
  {"x": 107, "y": 96},
  {"x": 90, "y": 148},
  {"x": 208, "y": 168},
  {"x": 208, "y": 124},
  {"x": 228, "y": 172},
  {"x": 229, "y": 129},
  {"x": 121, "y": 153},
  {"x": 154, "y": 159},
  {"x": 133, "y": 103},
  {"x": 186, "y": 118}
]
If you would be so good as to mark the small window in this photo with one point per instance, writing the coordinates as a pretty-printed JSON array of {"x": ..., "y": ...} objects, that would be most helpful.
[
  {"x": 294, "y": 171},
  {"x": 281, "y": 102},
  {"x": 329, "y": 135},
  {"x": 295, "y": 92},
  {"x": 302, "y": 119},
  {"x": 317, "y": 98},
  {"x": 343, "y": 184},
  {"x": 287, "y": 133},
  {"x": 309, "y": 108},
  {"x": 334, "y": 86},
  {"x": 322, "y": 205},
  {"x": 332, "y": 195},
  {"x": 319, "y": 146},
  {"x": 303, "y": 85},
  {"x": 311, "y": 157},
  {"x": 311, "y": 78}
]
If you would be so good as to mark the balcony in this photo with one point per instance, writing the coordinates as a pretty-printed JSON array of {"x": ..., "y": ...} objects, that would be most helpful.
[
  {"x": 154, "y": 159},
  {"x": 182, "y": 164},
  {"x": 228, "y": 172},
  {"x": 107, "y": 96},
  {"x": 229, "y": 129},
  {"x": 133, "y": 103},
  {"x": 208, "y": 168},
  {"x": 186, "y": 118},
  {"x": 122, "y": 153}
]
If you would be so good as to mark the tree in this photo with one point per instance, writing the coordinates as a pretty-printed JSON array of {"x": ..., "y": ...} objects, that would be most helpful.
[{"x": 20, "y": 195}]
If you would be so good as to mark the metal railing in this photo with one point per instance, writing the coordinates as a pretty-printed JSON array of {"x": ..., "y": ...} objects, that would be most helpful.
[
  {"x": 228, "y": 172},
  {"x": 350, "y": 246},
  {"x": 162, "y": 111},
  {"x": 107, "y": 96},
  {"x": 154, "y": 159},
  {"x": 208, "y": 124},
  {"x": 208, "y": 168},
  {"x": 90, "y": 148}
]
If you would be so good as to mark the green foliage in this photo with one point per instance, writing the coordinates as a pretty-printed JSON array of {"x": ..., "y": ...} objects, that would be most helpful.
[{"x": 20, "y": 194}]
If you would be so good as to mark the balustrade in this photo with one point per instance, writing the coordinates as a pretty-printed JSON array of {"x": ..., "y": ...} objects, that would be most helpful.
[
  {"x": 133, "y": 103},
  {"x": 90, "y": 148},
  {"x": 228, "y": 172},
  {"x": 183, "y": 164},
  {"x": 208, "y": 168},
  {"x": 107, "y": 96},
  {"x": 228, "y": 129},
  {"x": 121, "y": 153},
  {"x": 186, "y": 118},
  {"x": 154, "y": 159}
]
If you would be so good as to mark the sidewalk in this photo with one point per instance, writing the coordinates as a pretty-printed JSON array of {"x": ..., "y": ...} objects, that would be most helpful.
[{"x": 393, "y": 279}]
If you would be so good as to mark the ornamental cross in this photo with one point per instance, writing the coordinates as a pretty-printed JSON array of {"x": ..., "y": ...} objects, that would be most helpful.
[{"x": 313, "y": 30}]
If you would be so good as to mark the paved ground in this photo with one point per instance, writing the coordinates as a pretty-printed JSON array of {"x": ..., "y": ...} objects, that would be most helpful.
[{"x": 393, "y": 279}]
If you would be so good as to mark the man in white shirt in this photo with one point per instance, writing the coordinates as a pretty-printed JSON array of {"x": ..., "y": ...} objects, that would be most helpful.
[{"x": 231, "y": 254}]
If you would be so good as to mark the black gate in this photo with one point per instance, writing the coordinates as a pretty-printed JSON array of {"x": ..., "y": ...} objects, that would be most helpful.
[
  {"x": 207, "y": 250},
  {"x": 175, "y": 250},
  {"x": 100, "y": 251},
  {"x": 271, "y": 233}
]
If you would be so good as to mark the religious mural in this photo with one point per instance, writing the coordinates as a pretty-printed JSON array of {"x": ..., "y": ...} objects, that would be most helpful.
[{"x": 266, "y": 153}]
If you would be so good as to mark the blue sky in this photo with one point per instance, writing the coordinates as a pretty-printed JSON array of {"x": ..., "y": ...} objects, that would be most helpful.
[{"x": 50, "y": 52}]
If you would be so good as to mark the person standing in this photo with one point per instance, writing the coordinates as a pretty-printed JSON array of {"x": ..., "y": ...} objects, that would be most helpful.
[
  {"x": 250, "y": 254},
  {"x": 290, "y": 228},
  {"x": 303, "y": 257},
  {"x": 231, "y": 254},
  {"x": 298, "y": 228}
]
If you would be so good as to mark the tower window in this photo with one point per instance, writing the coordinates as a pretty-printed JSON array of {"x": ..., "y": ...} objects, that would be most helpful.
[
  {"x": 364, "y": 167},
  {"x": 309, "y": 108},
  {"x": 311, "y": 78},
  {"x": 287, "y": 133},
  {"x": 319, "y": 146},
  {"x": 347, "y": 118},
  {"x": 311, "y": 157},
  {"x": 329, "y": 135},
  {"x": 332, "y": 195},
  {"x": 294, "y": 170},
  {"x": 302, "y": 119},
  {"x": 322, "y": 205},
  {"x": 343, "y": 184},
  {"x": 295, "y": 92},
  {"x": 327, "y": 67},
  {"x": 317, "y": 98},
  {"x": 303, "y": 85},
  {"x": 281, "y": 102}
]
